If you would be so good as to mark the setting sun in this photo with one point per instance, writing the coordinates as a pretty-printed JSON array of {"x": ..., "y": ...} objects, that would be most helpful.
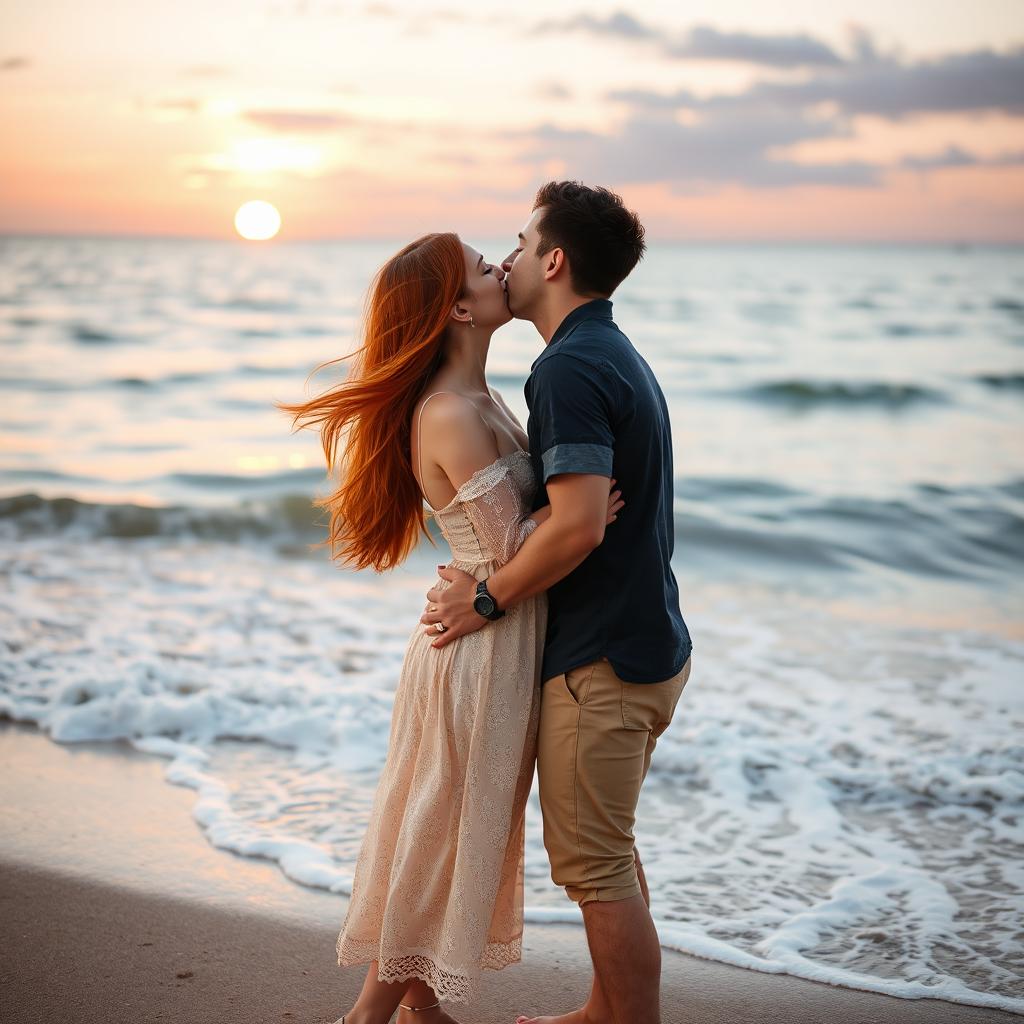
[{"x": 257, "y": 220}]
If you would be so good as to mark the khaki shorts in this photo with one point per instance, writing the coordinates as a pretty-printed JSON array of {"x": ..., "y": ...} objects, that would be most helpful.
[{"x": 597, "y": 734}]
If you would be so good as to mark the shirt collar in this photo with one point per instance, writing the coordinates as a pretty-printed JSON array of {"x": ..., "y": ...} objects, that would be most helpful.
[{"x": 595, "y": 309}]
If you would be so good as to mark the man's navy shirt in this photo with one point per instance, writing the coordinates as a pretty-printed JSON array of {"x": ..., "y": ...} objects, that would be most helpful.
[{"x": 596, "y": 407}]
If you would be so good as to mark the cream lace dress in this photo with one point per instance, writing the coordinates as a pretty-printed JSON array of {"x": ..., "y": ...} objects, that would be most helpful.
[{"x": 437, "y": 892}]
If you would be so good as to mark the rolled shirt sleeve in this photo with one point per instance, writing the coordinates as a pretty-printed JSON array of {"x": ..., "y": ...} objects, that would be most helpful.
[{"x": 573, "y": 406}]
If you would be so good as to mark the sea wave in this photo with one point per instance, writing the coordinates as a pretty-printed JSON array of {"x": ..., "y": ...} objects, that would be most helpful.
[
  {"x": 90, "y": 335},
  {"x": 905, "y": 330},
  {"x": 29, "y": 515},
  {"x": 1006, "y": 305},
  {"x": 878, "y": 394},
  {"x": 1002, "y": 381},
  {"x": 966, "y": 533},
  {"x": 734, "y": 524},
  {"x": 847, "y": 797}
]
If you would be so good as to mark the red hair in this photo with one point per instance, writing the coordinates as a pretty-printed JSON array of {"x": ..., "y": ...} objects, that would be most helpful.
[{"x": 376, "y": 514}]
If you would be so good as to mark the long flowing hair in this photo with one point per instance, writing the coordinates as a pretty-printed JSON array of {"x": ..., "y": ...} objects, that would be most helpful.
[{"x": 376, "y": 513}]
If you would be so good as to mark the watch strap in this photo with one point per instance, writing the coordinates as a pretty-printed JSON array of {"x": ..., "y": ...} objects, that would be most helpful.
[{"x": 481, "y": 588}]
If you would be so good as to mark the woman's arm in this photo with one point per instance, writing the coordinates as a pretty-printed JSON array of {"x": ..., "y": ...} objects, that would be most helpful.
[{"x": 541, "y": 515}]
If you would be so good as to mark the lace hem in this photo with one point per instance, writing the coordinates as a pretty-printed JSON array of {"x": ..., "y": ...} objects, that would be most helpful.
[{"x": 446, "y": 982}]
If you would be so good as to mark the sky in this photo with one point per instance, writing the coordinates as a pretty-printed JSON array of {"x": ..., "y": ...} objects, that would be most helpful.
[{"x": 735, "y": 121}]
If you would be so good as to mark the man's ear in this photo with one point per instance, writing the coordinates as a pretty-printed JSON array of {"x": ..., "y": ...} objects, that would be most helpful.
[{"x": 556, "y": 260}]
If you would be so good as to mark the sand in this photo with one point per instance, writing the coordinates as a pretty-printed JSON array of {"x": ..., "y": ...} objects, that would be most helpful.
[{"x": 116, "y": 908}]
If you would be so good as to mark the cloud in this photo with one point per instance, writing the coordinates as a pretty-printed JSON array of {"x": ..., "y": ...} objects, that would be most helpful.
[
  {"x": 552, "y": 90},
  {"x": 782, "y": 51},
  {"x": 297, "y": 120},
  {"x": 618, "y": 24},
  {"x": 956, "y": 156},
  {"x": 741, "y": 138},
  {"x": 644, "y": 99},
  {"x": 731, "y": 149},
  {"x": 956, "y": 83},
  {"x": 702, "y": 42},
  {"x": 14, "y": 63},
  {"x": 952, "y": 156}
]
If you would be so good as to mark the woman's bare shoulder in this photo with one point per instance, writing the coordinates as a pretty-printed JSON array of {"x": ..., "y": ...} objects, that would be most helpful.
[
  {"x": 455, "y": 442},
  {"x": 443, "y": 409},
  {"x": 452, "y": 430}
]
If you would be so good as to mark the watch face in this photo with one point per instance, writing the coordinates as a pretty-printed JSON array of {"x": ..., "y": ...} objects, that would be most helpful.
[{"x": 484, "y": 604}]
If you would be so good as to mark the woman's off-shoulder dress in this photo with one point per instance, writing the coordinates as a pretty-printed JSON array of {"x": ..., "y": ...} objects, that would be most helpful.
[{"x": 438, "y": 886}]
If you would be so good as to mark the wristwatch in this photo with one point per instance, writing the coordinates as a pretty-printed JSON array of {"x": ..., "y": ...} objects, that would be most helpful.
[{"x": 484, "y": 603}]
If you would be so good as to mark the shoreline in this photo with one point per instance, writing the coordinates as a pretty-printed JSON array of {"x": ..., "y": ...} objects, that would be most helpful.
[{"x": 126, "y": 912}]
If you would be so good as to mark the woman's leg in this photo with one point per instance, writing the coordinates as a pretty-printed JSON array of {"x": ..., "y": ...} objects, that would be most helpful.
[
  {"x": 420, "y": 994},
  {"x": 377, "y": 1001}
]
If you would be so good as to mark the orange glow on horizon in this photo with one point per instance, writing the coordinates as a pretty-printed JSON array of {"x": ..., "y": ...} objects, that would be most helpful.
[{"x": 325, "y": 108}]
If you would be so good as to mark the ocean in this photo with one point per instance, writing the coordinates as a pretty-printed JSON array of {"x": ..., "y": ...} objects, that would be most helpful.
[{"x": 841, "y": 794}]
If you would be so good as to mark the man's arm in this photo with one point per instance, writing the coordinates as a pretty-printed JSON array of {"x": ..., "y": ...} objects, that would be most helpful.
[
  {"x": 574, "y": 402},
  {"x": 579, "y": 513}
]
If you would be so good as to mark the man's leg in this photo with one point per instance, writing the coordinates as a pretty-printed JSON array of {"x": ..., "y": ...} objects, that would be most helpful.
[
  {"x": 556, "y": 770},
  {"x": 627, "y": 720},
  {"x": 626, "y": 953},
  {"x": 597, "y": 1007},
  {"x": 597, "y": 736}
]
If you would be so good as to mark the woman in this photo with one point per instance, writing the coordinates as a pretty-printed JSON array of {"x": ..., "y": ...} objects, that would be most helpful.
[{"x": 437, "y": 892}]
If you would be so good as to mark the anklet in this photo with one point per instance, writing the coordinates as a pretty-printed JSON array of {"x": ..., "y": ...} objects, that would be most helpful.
[{"x": 416, "y": 1009}]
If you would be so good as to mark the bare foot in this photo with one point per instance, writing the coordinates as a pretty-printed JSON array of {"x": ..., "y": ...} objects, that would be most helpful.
[
  {"x": 575, "y": 1017},
  {"x": 434, "y": 1016}
]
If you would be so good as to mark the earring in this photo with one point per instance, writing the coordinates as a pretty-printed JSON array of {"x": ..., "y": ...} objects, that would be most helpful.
[{"x": 471, "y": 324}]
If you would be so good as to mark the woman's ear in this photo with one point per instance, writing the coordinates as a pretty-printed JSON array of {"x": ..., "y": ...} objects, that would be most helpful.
[{"x": 460, "y": 313}]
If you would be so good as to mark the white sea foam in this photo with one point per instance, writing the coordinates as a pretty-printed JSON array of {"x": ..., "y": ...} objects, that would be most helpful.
[{"x": 835, "y": 800}]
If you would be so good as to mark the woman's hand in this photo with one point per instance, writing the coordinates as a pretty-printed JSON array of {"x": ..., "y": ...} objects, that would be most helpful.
[
  {"x": 452, "y": 607},
  {"x": 614, "y": 503},
  {"x": 541, "y": 515}
]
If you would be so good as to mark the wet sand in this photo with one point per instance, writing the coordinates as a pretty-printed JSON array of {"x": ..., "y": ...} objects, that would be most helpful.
[{"x": 116, "y": 908}]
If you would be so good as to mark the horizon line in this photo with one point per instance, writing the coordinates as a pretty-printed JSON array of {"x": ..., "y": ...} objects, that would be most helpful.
[{"x": 955, "y": 242}]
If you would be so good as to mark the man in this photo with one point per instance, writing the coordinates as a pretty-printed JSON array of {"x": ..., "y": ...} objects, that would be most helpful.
[{"x": 617, "y": 652}]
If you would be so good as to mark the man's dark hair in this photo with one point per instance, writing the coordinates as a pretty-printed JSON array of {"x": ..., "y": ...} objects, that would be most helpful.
[{"x": 603, "y": 240}]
